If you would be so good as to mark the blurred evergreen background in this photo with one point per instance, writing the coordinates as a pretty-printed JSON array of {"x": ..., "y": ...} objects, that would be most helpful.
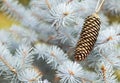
[{"x": 5, "y": 23}]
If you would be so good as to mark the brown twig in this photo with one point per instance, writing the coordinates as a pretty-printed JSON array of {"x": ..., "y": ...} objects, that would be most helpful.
[
  {"x": 48, "y": 4},
  {"x": 104, "y": 73},
  {"x": 8, "y": 65}
]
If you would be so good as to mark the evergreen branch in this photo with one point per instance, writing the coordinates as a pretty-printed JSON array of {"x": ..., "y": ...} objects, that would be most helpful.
[
  {"x": 8, "y": 65},
  {"x": 23, "y": 34},
  {"x": 106, "y": 73},
  {"x": 9, "y": 6},
  {"x": 25, "y": 55},
  {"x": 31, "y": 75}
]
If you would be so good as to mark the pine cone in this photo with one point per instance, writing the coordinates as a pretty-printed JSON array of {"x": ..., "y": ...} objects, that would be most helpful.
[{"x": 88, "y": 37}]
